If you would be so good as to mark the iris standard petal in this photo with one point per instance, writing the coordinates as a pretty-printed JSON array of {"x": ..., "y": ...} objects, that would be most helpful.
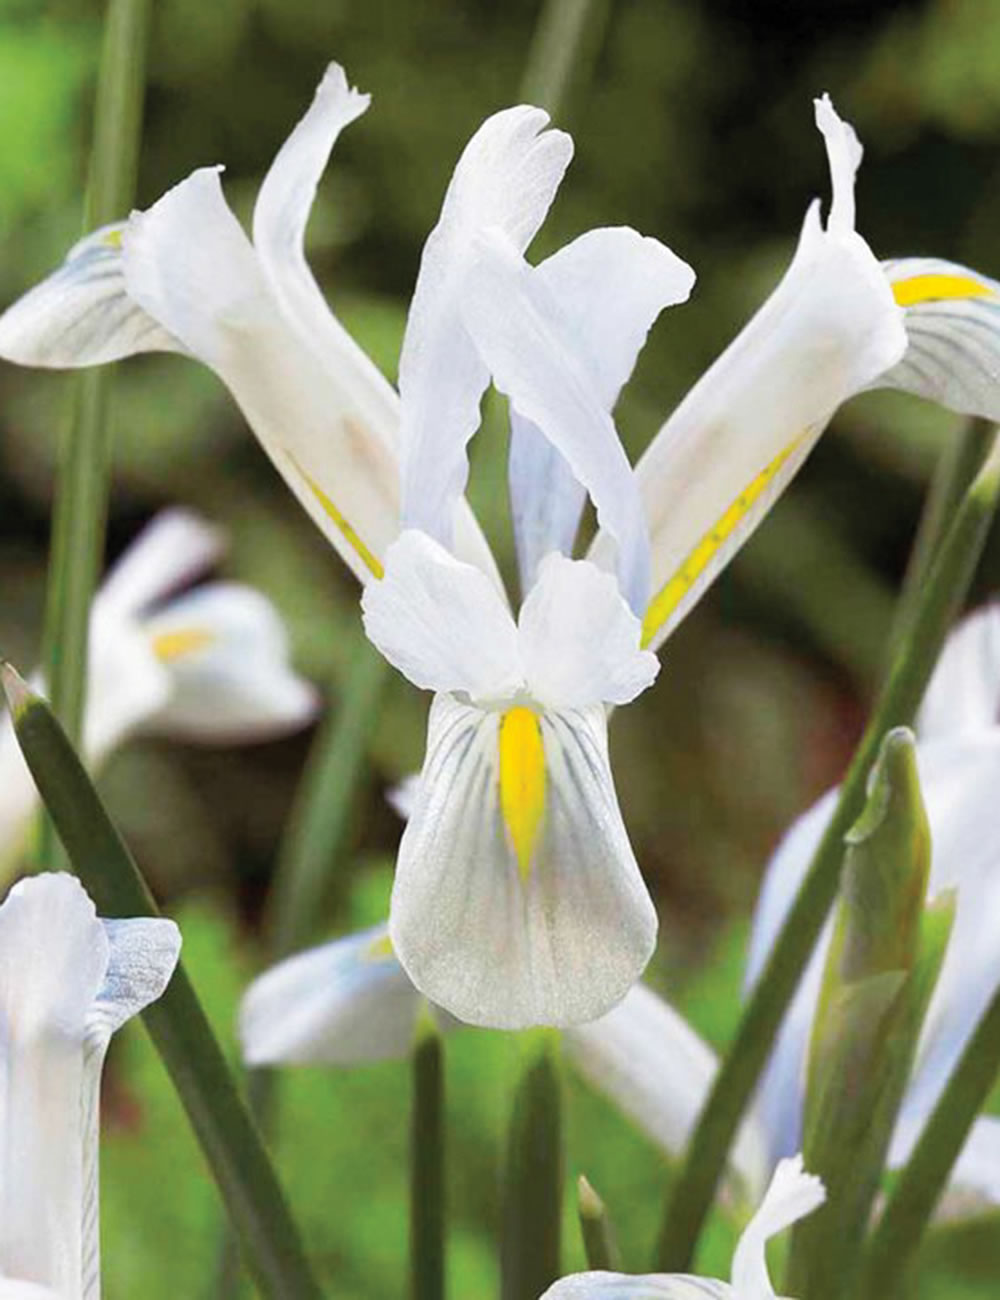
[
  {"x": 579, "y": 641},
  {"x": 506, "y": 178},
  {"x": 344, "y": 1003},
  {"x": 82, "y": 315},
  {"x": 442, "y": 622},
  {"x": 53, "y": 958},
  {"x": 952, "y": 318},
  {"x": 647, "y": 1059},
  {"x": 791, "y": 1196},
  {"x": 225, "y": 650},
  {"x": 517, "y": 898},
  {"x": 527, "y": 341},
  {"x": 611, "y": 284},
  {"x": 708, "y": 478},
  {"x": 176, "y": 547},
  {"x": 189, "y": 264},
  {"x": 964, "y": 692}
]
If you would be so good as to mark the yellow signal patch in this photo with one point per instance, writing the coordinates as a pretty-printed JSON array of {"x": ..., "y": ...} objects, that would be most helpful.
[
  {"x": 699, "y": 557},
  {"x": 522, "y": 782},
  {"x": 938, "y": 288},
  {"x": 170, "y": 646}
]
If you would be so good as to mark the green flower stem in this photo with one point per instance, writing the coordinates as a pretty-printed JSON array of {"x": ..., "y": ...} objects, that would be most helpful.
[
  {"x": 533, "y": 1177},
  {"x": 958, "y": 464},
  {"x": 940, "y": 597},
  {"x": 923, "y": 1178},
  {"x": 320, "y": 820},
  {"x": 600, "y": 1244},
  {"x": 176, "y": 1023},
  {"x": 565, "y": 44},
  {"x": 427, "y": 1191},
  {"x": 80, "y": 511}
]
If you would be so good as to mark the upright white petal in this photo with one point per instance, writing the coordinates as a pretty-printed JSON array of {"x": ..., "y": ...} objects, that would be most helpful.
[
  {"x": 610, "y": 284},
  {"x": 189, "y": 264},
  {"x": 176, "y": 547},
  {"x": 82, "y": 315},
  {"x": 952, "y": 317},
  {"x": 579, "y": 641},
  {"x": 441, "y": 622},
  {"x": 126, "y": 684},
  {"x": 792, "y": 1195},
  {"x": 964, "y": 692},
  {"x": 648, "y": 1060},
  {"x": 506, "y": 178},
  {"x": 493, "y": 943},
  {"x": 736, "y": 440},
  {"x": 226, "y": 654},
  {"x": 527, "y": 340},
  {"x": 344, "y": 1003}
]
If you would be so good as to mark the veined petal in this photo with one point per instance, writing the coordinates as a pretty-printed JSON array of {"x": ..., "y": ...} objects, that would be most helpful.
[
  {"x": 53, "y": 959},
  {"x": 344, "y": 1003},
  {"x": 952, "y": 318},
  {"x": 189, "y": 264},
  {"x": 708, "y": 478},
  {"x": 610, "y": 285},
  {"x": 441, "y": 622},
  {"x": 648, "y": 1060},
  {"x": 964, "y": 692},
  {"x": 579, "y": 640},
  {"x": 225, "y": 651},
  {"x": 175, "y": 548},
  {"x": 82, "y": 315},
  {"x": 528, "y": 344},
  {"x": 505, "y": 937},
  {"x": 629, "y": 1286},
  {"x": 792, "y": 1195},
  {"x": 506, "y": 177}
]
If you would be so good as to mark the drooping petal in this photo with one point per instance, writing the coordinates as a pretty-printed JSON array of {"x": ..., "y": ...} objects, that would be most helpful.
[
  {"x": 792, "y": 1195},
  {"x": 142, "y": 956},
  {"x": 629, "y": 1286},
  {"x": 648, "y": 1060},
  {"x": 506, "y": 178},
  {"x": 176, "y": 547},
  {"x": 527, "y": 340},
  {"x": 225, "y": 650},
  {"x": 441, "y": 622},
  {"x": 964, "y": 692},
  {"x": 53, "y": 959},
  {"x": 82, "y": 315},
  {"x": 189, "y": 264},
  {"x": 345, "y": 1003},
  {"x": 610, "y": 284},
  {"x": 517, "y": 898},
  {"x": 708, "y": 478},
  {"x": 579, "y": 641},
  {"x": 952, "y": 318}
]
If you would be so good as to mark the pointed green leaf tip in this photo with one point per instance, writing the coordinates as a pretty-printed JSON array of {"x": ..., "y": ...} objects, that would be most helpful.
[
  {"x": 19, "y": 694},
  {"x": 599, "y": 1241}
]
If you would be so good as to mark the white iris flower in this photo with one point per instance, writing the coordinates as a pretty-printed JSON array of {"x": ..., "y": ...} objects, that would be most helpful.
[
  {"x": 207, "y": 665},
  {"x": 791, "y": 1195},
  {"x": 68, "y": 980},
  {"x": 518, "y": 899}
]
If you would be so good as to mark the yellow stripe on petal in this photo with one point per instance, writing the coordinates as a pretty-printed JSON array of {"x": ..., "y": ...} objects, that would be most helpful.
[
  {"x": 171, "y": 646},
  {"x": 698, "y": 559},
  {"x": 368, "y": 558},
  {"x": 938, "y": 288},
  {"x": 522, "y": 782}
]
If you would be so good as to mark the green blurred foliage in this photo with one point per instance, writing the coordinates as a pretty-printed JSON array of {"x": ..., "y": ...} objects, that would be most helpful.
[{"x": 693, "y": 122}]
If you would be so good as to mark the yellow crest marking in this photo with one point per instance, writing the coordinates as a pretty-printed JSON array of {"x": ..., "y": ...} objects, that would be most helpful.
[
  {"x": 522, "y": 782},
  {"x": 938, "y": 288},
  {"x": 379, "y": 949},
  {"x": 699, "y": 557},
  {"x": 170, "y": 646},
  {"x": 350, "y": 535}
]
